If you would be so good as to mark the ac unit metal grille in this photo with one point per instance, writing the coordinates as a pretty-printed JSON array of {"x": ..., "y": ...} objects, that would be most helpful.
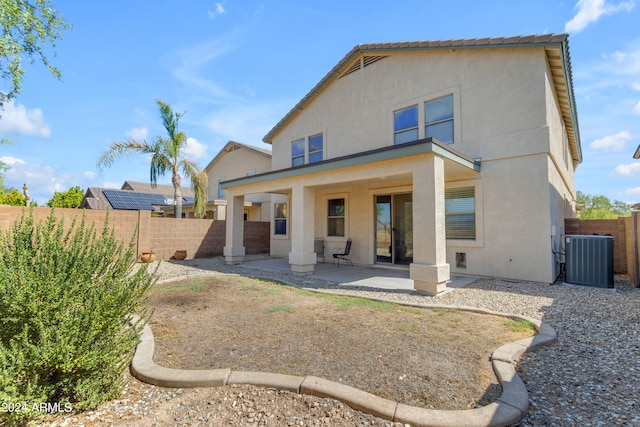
[{"x": 589, "y": 260}]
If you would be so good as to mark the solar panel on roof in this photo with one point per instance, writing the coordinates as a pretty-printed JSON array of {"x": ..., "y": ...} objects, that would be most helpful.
[{"x": 132, "y": 200}]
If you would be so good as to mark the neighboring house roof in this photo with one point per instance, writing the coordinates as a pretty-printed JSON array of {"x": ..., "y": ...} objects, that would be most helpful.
[
  {"x": 556, "y": 47},
  {"x": 636, "y": 155},
  {"x": 134, "y": 200},
  {"x": 233, "y": 145},
  {"x": 132, "y": 196},
  {"x": 144, "y": 187},
  {"x": 94, "y": 199}
]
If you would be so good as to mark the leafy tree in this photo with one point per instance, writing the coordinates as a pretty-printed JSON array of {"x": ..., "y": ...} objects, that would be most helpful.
[
  {"x": 600, "y": 207},
  {"x": 28, "y": 26},
  {"x": 67, "y": 199},
  {"x": 13, "y": 198},
  {"x": 166, "y": 156}
]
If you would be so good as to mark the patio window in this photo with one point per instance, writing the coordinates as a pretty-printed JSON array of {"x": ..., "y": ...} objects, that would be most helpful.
[
  {"x": 438, "y": 119},
  {"x": 280, "y": 219},
  {"x": 405, "y": 125},
  {"x": 335, "y": 221},
  {"x": 460, "y": 213},
  {"x": 307, "y": 150}
]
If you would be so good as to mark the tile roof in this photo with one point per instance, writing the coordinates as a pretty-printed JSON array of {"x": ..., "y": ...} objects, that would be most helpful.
[{"x": 145, "y": 187}]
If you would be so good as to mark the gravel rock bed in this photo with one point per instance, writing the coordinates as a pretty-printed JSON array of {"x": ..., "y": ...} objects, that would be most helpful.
[{"x": 590, "y": 377}]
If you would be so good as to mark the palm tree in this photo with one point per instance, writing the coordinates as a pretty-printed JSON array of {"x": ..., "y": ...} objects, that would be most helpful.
[{"x": 166, "y": 155}]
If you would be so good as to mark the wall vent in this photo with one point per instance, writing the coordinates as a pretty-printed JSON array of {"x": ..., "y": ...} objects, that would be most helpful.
[
  {"x": 361, "y": 62},
  {"x": 589, "y": 260}
]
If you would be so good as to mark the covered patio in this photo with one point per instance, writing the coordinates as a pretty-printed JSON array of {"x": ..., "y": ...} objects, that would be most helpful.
[{"x": 418, "y": 168}]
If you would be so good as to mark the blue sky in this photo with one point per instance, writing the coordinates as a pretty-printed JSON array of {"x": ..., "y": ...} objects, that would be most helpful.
[{"x": 235, "y": 68}]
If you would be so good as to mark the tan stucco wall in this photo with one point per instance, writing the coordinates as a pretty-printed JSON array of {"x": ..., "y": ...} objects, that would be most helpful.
[
  {"x": 236, "y": 164},
  {"x": 479, "y": 79}
]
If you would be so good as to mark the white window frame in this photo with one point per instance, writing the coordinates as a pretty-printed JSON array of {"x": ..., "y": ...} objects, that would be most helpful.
[
  {"x": 420, "y": 100},
  {"x": 437, "y": 122},
  {"x": 302, "y": 156},
  {"x": 479, "y": 213},
  {"x": 457, "y": 213},
  {"x": 334, "y": 196},
  {"x": 221, "y": 191},
  {"x": 286, "y": 219},
  {"x": 405, "y": 130},
  {"x": 342, "y": 217},
  {"x": 305, "y": 156}
]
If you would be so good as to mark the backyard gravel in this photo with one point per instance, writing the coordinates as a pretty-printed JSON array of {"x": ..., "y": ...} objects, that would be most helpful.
[{"x": 589, "y": 377}]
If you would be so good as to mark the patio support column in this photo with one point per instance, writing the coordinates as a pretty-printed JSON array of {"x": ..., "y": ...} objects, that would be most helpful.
[
  {"x": 429, "y": 270},
  {"x": 234, "y": 240},
  {"x": 302, "y": 257}
]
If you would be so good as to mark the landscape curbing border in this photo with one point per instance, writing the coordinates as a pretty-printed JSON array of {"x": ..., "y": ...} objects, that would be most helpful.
[{"x": 510, "y": 407}]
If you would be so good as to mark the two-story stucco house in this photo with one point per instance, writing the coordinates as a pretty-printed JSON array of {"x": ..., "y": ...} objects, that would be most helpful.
[{"x": 446, "y": 157}]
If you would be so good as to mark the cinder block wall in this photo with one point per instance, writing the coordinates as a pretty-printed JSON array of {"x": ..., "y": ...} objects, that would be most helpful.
[
  {"x": 604, "y": 227},
  {"x": 201, "y": 238},
  {"x": 124, "y": 223}
]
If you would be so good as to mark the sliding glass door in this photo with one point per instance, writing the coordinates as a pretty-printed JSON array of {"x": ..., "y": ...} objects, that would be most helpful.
[{"x": 394, "y": 229}]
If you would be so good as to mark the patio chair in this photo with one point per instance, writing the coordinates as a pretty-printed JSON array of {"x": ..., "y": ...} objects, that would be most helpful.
[{"x": 342, "y": 255}]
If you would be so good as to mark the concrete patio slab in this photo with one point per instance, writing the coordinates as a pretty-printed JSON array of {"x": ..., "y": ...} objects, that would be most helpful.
[{"x": 375, "y": 277}]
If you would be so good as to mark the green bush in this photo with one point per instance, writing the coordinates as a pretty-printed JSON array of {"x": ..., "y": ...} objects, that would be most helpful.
[{"x": 65, "y": 303}]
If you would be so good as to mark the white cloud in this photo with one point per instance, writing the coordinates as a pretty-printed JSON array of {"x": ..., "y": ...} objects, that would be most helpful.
[
  {"x": 43, "y": 180},
  {"x": 188, "y": 67},
  {"x": 589, "y": 11},
  {"x": 636, "y": 85},
  {"x": 632, "y": 191},
  {"x": 612, "y": 142},
  {"x": 628, "y": 63},
  {"x": 194, "y": 149},
  {"x": 11, "y": 161},
  {"x": 90, "y": 175},
  {"x": 17, "y": 119},
  {"x": 138, "y": 134},
  {"x": 111, "y": 184},
  {"x": 630, "y": 170},
  {"x": 219, "y": 10},
  {"x": 636, "y": 109}
]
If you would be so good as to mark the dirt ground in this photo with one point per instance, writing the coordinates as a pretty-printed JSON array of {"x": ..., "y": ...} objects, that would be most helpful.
[{"x": 428, "y": 358}]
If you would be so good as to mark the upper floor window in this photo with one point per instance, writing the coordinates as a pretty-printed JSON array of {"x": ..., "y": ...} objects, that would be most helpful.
[
  {"x": 438, "y": 119},
  {"x": 220, "y": 189},
  {"x": 297, "y": 152},
  {"x": 315, "y": 148},
  {"x": 460, "y": 213},
  {"x": 307, "y": 150},
  {"x": 405, "y": 125}
]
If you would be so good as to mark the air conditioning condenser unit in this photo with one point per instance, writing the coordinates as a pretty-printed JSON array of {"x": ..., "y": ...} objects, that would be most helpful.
[{"x": 589, "y": 260}]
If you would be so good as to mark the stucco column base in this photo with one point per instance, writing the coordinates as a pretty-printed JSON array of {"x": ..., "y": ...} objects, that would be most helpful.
[
  {"x": 429, "y": 279},
  {"x": 302, "y": 263},
  {"x": 233, "y": 254}
]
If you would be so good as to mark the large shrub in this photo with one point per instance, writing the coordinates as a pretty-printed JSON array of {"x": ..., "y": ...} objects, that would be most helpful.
[{"x": 66, "y": 298}]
